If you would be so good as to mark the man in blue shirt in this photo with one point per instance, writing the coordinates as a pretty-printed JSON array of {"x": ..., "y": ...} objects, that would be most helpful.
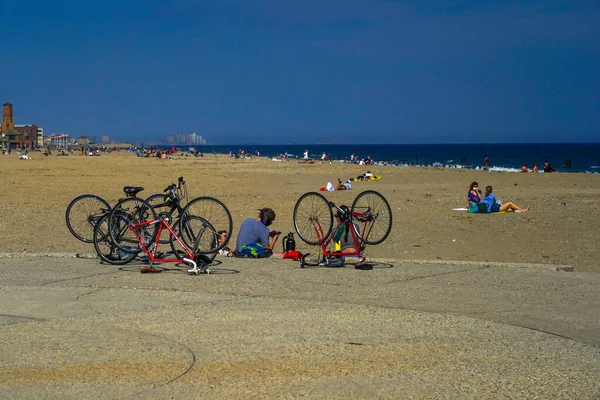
[{"x": 255, "y": 232}]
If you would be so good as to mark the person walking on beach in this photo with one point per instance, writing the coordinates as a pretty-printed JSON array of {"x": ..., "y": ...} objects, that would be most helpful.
[
  {"x": 547, "y": 167},
  {"x": 486, "y": 163},
  {"x": 493, "y": 205}
]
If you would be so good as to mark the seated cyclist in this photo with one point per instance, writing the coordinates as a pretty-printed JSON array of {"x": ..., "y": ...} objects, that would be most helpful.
[
  {"x": 343, "y": 240},
  {"x": 254, "y": 239}
]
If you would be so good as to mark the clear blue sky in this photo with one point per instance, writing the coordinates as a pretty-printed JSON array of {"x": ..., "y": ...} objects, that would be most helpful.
[{"x": 283, "y": 71}]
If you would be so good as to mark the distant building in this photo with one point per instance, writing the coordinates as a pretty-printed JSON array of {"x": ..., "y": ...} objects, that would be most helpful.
[
  {"x": 8, "y": 122},
  {"x": 29, "y": 134},
  {"x": 40, "y": 136},
  {"x": 18, "y": 135},
  {"x": 179, "y": 139}
]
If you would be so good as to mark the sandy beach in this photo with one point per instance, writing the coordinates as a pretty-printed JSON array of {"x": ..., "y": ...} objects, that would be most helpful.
[{"x": 561, "y": 228}]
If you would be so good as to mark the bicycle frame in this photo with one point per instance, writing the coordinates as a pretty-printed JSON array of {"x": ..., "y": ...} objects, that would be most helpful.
[
  {"x": 153, "y": 253},
  {"x": 349, "y": 224}
]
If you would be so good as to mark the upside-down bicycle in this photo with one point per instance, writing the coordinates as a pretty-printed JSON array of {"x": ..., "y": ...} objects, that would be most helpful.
[{"x": 367, "y": 222}]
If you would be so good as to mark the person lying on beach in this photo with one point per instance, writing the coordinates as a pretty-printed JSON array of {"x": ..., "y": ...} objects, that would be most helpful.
[
  {"x": 475, "y": 195},
  {"x": 493, "y": 205},
  {"x": 343, "y": 186}
]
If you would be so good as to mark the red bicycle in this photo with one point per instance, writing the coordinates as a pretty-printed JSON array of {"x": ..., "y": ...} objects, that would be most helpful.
[
  {"x": 134, "y": 226},
  {"x": 367, "y": 221}
]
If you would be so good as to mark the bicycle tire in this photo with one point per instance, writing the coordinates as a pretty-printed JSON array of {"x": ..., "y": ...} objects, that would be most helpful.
[
  {"x": 156, "y": 200},
  {"x": 195, "y": 216},
  {"x": 379, "y": 217},
  {"x": 206, "y": 239},
  {"x": 82, "y": 213},
  {"x": 131, "y": 210},
  {"x": 105, "y": 248},
  {"x": 313, "y": 208}
]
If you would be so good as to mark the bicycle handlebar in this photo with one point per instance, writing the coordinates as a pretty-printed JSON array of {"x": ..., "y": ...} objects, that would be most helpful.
[{"x": 178, "y": 185}]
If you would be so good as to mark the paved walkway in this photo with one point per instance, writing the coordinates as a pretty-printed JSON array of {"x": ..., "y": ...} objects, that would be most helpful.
[{"x": 72, "y": 328}]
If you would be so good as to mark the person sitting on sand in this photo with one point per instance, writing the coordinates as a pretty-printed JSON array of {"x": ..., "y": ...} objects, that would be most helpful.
[
  {"x": 222, "y": 238},
  {"x": 524, "y": 168},
  {"x": 493, "y": 205},
  {"x": 475, "y": 195},
  {"x": 254, "y": 238},
  {"x": 343, "y": 240},
  {"x": 547, "y": 167},
  {"x": 534, "y": 168}
]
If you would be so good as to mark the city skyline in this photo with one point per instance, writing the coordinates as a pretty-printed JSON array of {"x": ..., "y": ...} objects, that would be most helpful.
[{"x": 264, "y": 71}]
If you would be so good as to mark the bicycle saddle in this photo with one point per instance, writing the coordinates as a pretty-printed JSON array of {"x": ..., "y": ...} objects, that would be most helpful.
[{"x": 132, "y": 190}]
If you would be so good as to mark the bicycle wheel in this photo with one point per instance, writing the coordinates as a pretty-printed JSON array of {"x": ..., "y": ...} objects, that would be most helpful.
[
  {"x": 200, "y": 214},
  {"x": 156, "y": 200},
  {"x": 313, "y": 218},
  {"x": 207, "y": 239},
  {"x": 82, "y": 214},
  {"x": 374, "y": 219},
  {"x": 127, "y": 212},
  {"x": 105, "y": 248}
]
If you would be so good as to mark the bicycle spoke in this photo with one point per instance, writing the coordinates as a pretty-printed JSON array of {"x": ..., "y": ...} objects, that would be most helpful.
[
  {"x": 313, "y": 218},
  {"x": 201, "y": 221},
  {"x": 83, "y": 214},
  {"x": 373, "y": 216}
]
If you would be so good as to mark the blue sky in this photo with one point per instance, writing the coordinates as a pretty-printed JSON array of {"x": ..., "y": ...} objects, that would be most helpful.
[{"x": 267, "y": 71}]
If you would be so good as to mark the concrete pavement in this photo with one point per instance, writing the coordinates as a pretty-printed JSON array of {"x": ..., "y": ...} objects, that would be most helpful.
[{"x": 73, "y": 328}]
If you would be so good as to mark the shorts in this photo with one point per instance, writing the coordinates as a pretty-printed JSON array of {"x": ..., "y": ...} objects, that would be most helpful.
[{"x": 495, "y": 207}]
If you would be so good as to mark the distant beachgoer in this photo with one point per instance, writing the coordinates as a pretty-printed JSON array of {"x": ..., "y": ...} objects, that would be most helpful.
[
  {"x": 524, "y": 168},
  {"x": 486, "y": 163},
  {"x": 343, "y": 186},
  {"x": 305, "y": 155},
  {"x": 323, "y": 157},
  {"x": 475, "y": 195},
  {"x": 222, "y": 238},
  {"x": 547, "y": 167},
  {"x": 493, "y": 205},
  {"x": 534, "y": 168}
]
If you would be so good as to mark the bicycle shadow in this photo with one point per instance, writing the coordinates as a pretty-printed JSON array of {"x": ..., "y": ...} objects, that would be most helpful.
[
  {"x": 368, "y": 265},
  {"x": 140, "y": 264}
]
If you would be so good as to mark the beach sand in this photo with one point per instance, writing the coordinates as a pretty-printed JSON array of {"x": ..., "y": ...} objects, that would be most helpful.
[{"x": 561, "y": 228}]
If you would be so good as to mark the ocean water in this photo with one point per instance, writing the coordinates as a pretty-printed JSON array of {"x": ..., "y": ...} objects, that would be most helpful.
[{"x": 582, "y": 157}]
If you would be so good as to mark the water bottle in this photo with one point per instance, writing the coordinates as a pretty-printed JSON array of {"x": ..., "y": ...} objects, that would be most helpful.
[{"x": 289, "y": 244}]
